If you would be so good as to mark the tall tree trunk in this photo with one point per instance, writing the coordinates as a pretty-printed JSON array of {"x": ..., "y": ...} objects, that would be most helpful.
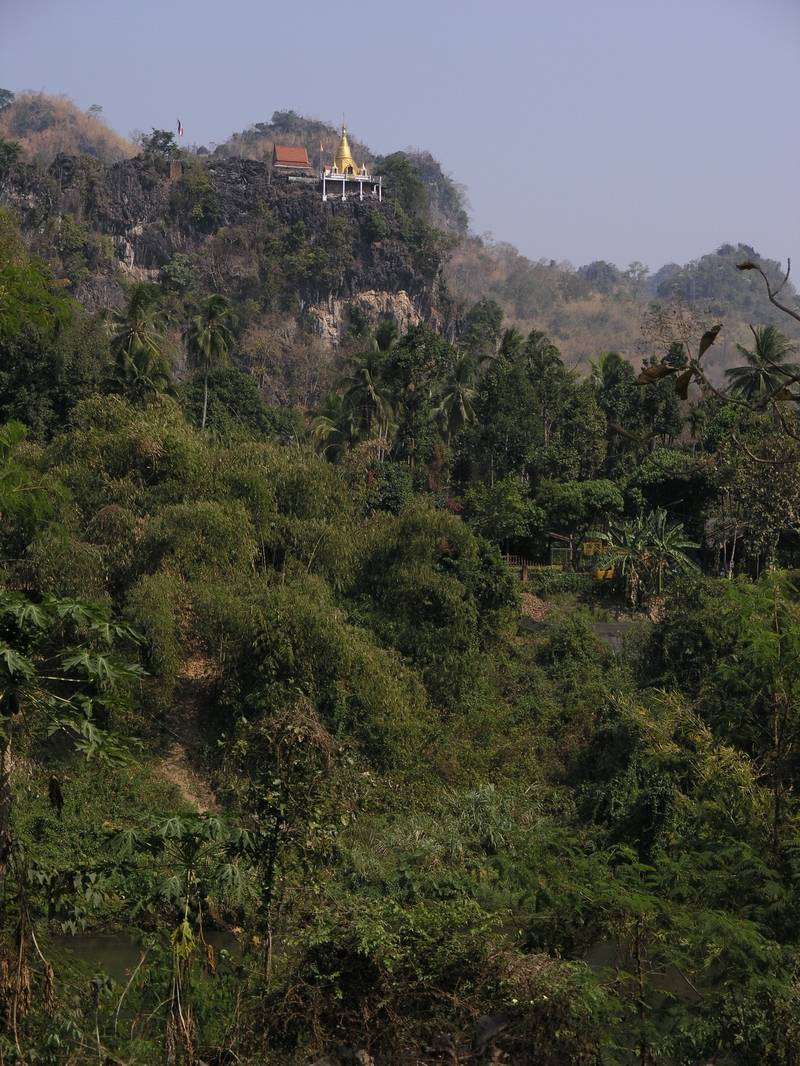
[
  {"x": 6, "y": 766},
  {"x": 632, "y": 584},
  {"x": 205, "y": 399},
  {"x": 732, "y": 560},
  {"x": 778, "y": 725},
  {"x": 638, "y": 954}
]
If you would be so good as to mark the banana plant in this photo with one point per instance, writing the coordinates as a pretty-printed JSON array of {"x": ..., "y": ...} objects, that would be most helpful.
[{"x": 644, "y": 549}]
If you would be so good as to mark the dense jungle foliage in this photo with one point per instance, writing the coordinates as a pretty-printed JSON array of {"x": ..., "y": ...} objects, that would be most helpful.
[{"x": 283, "y": 780}]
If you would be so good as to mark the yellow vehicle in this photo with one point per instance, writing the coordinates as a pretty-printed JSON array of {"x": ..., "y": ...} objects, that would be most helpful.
[
  {"x": 591, "y": 549},
  {"x": 602, "y": 574}
]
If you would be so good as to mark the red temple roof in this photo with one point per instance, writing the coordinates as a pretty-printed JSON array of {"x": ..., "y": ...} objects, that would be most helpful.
[{"x": 290, "y": 155}]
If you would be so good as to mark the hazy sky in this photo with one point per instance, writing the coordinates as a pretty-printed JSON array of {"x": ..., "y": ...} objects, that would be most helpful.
[{"x": 624, "y": 129}]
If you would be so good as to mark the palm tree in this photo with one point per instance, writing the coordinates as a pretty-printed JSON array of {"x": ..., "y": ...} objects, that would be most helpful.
[
  {"x": 137, "y": 343},
  {"x": 144, "y": 373},
  {"x": 765, "y": 372},
  {"x": 455, "y": 408},
  {"x": 386, "y": 334},
  {"x": 332, "y": 428},
  {"x": 606, "y": 371},
  {"x": 208, "y": 340},
  {"x": 511, "y": 343},
  {"x": 644, "y": 548},
  {"x": 366, "y": 396},
  {"x": 543, "y": 361}
]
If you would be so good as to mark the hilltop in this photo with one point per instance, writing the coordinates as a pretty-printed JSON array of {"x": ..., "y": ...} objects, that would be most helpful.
[
  {"x": 287, "y": 127},
  {"x": 45, "y": 125}
]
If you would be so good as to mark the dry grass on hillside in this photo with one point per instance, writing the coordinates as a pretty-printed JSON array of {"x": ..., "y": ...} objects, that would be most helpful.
[
  {"x": 582, "y": 327},
  {"x": 253, "y": 145},
  {"x": 529, "y": 294},
  {"x": 46, "y": 125}
]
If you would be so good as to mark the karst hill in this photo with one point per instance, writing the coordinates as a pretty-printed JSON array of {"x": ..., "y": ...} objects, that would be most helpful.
[
  {"x": 221, "y": 224},
  {"x": 216, "y": 219}
]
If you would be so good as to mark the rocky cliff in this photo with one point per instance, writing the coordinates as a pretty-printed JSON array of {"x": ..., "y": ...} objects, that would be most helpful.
[{"x": 221, "y": 224}]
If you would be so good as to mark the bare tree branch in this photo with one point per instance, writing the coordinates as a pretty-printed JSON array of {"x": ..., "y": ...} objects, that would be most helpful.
[
  {"x": 772, "y": 294},
  {"x": 758, "y": 459}
]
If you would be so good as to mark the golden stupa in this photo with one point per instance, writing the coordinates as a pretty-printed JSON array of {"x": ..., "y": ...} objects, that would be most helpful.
[{"x": 343, "y": 161}]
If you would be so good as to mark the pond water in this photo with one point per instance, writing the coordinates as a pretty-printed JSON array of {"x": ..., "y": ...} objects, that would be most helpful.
[
  {"x": 606, "y": 954},
  {"x": 118, "y": 954}
]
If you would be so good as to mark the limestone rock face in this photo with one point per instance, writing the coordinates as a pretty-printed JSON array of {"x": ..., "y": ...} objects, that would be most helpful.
[
  {"x": 331, "y": 319},
  {"x": 273, "y": 242}
]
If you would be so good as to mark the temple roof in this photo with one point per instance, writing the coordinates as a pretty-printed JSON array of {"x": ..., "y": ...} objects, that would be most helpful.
[{"x": 290, "y": 155}]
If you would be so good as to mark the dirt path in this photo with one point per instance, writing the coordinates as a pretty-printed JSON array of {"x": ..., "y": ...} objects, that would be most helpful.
[
  {"x": 176, "y": 766},
  {"x": 181, "y": 764}
]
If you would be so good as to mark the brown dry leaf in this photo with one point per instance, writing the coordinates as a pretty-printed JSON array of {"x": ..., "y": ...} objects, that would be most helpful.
[{"x": 655, "y": 373}]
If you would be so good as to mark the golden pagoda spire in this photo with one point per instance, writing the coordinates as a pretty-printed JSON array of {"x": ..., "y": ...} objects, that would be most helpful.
[{"x": 343, "y": 161}]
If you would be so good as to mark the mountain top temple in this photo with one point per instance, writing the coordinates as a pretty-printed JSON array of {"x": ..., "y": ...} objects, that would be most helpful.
[{"x": 340, "y": 180}]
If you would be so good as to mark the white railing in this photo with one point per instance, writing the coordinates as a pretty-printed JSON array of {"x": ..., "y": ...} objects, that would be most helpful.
[{"x": 338, "y": 176}]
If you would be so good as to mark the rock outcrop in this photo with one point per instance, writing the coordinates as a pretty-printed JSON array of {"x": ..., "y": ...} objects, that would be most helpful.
[
  {"x": 331, "y": 320},
  {"x": 234, "y": 230}
]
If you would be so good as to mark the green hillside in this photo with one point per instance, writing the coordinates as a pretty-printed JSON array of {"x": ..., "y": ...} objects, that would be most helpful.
[{"x": 376, "y": 687}]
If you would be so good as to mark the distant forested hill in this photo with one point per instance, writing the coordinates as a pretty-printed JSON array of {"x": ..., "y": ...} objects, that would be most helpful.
[
  {"x": 587, "y": 309},
  {"x": 599, "y": 307}
]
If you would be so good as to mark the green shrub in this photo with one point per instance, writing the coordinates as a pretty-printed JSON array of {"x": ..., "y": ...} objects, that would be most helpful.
[
  {"x": 552, "y": 582},
  {"x": 132, "y": 456},
  {"x": 116, "y": 531},
  {"x": 195, "y": 538},
  {"x": 154, "y": 605},
  {"x": 435, "y": 592},
  {"x": 179, "y": 274},
  {"x": 375, "y": 227},
  {"x": 195, "y": 197},
  {"x": 227, "y": 615},
  {"x": 304, "y": 647},
  {"x": 234, "y": 407},
  {"x": 63, "y": 564}
]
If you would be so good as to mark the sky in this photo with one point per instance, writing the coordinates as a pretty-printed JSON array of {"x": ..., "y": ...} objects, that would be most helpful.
[{"x": 649, "y": 130}]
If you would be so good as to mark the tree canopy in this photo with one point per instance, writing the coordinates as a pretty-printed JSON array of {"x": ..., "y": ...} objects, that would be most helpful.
[{"x": 418, "y": 698}]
